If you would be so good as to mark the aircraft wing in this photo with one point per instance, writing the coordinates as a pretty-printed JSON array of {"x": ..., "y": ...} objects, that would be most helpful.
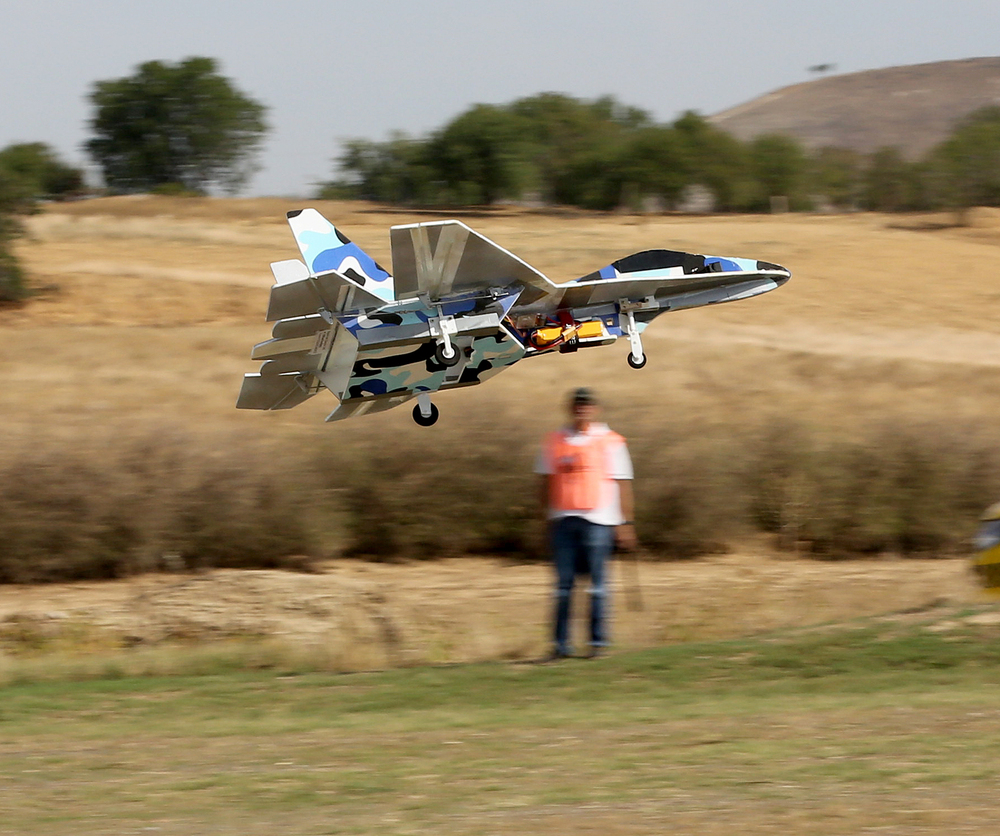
[
  {"x": 595, "y": 293},
  {"x": 444, "y": 258},
  {"x": 664, "y": 274}
]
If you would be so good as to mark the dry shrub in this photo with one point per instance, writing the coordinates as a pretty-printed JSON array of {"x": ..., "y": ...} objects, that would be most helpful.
[
  {"x": 419, "y": 498},
  {"x": 687, "y": 497},
  {"x": 904, "y": 489},
  {"x": 119, "y": 506}
]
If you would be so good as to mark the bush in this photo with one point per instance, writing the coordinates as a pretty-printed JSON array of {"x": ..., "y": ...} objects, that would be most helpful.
[
  {"x": 899, "y": 489},
  {"x": 12, "y": 287},
  {"x": 14, "y": 201},
  {"x": 152, "y": 504},
  {"x": 167, "y": 501}
]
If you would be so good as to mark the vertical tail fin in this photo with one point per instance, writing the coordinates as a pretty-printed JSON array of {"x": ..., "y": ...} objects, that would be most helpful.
[{"x": 324, "y": 248}]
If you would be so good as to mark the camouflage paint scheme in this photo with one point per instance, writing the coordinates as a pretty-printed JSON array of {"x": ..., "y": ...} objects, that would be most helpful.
[
  {"x": 458, "y": 310},
  {"x": 391, "y": 371}
]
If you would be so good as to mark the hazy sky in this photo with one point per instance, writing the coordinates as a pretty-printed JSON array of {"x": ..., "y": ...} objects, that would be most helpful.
[{"x": 334, "y": 70}]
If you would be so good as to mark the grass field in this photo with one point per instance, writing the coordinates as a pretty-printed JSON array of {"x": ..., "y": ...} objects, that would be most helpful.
[
  {"x": 877, "y": 726},
  {"x": 753, "y": 690}
]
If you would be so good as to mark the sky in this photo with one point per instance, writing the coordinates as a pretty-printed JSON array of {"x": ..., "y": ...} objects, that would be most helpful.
[{"x": 330, "y": 71}]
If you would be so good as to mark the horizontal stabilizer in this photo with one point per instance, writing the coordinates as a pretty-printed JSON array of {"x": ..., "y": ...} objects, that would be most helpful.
[
  {"x": 290, "y": 270},
  {"x": 332, "y": 291},
  {"x": 442, "y": 258},
  {"x": 300, "y": 326},
  {"x": 272, "y": 392},
  {"x": 326, "y": 249},
  {"x": 324, "y": 358}
]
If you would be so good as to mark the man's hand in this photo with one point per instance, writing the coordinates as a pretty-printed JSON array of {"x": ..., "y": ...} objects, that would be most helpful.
[
  {"x": 625, "y": 533},
  {"x": 625, "y": 537}
]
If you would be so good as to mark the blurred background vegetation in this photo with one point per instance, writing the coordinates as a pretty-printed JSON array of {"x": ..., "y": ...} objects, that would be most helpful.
[
  {"x": 185, "y": 129},
  {"x": 552, "y": 149},
  {"x": 173, "y": 501},
  {"x": 178, "y": 501}
]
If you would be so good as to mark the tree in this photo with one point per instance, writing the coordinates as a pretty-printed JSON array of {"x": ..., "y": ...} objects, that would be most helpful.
[
  {"x": 577, "y": 148},
  {"x": 480, "y": 156},
  {"x": 969, "y": 161},
  {"x": 175, "y": 125},
  {"x": 41, "y": 171},
  {"x": 715, "y": 159},
  {"x": 395, "y": 171},
  {"x": 15, "y": 199},
  {"x": 835, "y": 175},
  {"x": 892, "y": 184},
  {"x": 777, "y": 164}
]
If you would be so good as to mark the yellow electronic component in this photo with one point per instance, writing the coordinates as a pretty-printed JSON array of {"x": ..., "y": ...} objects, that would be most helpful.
[
  {"x": 591, "y": 330},
  {"x": 544, "y": 336}
]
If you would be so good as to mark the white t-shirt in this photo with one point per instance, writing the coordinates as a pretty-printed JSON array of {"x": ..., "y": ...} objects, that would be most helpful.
[{"x": 619, "y": 466}]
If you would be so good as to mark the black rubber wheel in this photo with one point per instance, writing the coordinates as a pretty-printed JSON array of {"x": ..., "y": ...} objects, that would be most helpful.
[
  {"x": 447, "y": 361},
  {"x": 636, "y": 364},
  {"x": 429, "y": 420}
]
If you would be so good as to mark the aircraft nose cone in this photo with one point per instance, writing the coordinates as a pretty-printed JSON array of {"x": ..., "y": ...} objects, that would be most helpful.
[{"x": 769, "y": 266}]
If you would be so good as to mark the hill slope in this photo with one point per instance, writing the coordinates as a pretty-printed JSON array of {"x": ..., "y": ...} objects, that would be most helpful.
[{"x": 912, "y": 107}]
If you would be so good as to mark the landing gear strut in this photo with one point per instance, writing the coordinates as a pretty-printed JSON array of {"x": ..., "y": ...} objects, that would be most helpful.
[
  {"x": 443, "y": 327},
  {"x": 425, "y": 413},
  {"x": 636, "y": 359}
]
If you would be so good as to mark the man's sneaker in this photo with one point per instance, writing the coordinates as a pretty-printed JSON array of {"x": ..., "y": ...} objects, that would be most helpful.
[{"x": 554, "y": 656}]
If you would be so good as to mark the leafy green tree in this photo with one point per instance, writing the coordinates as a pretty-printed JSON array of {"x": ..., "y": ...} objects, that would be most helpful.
[
  {"x": 175, "y": 125},
  {"x": 777, "y": 165},
  {"x": 395, "y": 171},
  {"x": 968, "y": 162},
  {"x": 480, "y": 157},
  {"x": 837, "y": 176},
  {"x": 892, "y": 183},
  {"x": 40, "y": 168},
  {"x": 577, "y": 149},
  {"x": 715, "y": 159},
  {"x": 15, "y": 200},
  {"x": 654, "y": 163}
]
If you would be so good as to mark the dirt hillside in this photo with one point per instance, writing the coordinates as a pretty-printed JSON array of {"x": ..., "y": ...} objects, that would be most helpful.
[{"x": 911, "y": 107}]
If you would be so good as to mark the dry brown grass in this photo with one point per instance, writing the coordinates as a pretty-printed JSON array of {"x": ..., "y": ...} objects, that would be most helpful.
[
  {"x": 358, "y": 615},
  {"x": 884, "y": 334}
]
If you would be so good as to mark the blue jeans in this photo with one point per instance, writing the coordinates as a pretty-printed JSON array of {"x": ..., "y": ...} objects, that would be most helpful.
[{"x": 585, "y": 547}]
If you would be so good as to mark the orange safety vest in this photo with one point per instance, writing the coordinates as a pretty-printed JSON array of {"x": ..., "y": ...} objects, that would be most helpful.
[{"x": 579, "y": 471}]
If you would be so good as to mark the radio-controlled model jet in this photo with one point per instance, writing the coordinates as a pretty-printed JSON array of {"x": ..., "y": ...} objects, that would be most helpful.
[{"x": 457, "y": 310}]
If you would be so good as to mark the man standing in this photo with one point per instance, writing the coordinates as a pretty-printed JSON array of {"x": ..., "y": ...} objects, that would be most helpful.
[{"x": 587, "y": 492}]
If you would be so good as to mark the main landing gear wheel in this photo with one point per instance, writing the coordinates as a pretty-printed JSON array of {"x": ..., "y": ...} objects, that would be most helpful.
[
  {"x": 426, "y": 420},
  {"x": 443, "y": 359},
  {"x": 636, "y": 364}
]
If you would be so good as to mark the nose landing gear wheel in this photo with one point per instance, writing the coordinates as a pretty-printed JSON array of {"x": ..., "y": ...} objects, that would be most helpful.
[
  {"x": 636, "y": 364},
  {"x": 426, "y": 420}
]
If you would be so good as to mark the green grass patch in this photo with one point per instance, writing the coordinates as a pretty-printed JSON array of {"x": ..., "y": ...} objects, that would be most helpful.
[{"x": 878, "y": 721}]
